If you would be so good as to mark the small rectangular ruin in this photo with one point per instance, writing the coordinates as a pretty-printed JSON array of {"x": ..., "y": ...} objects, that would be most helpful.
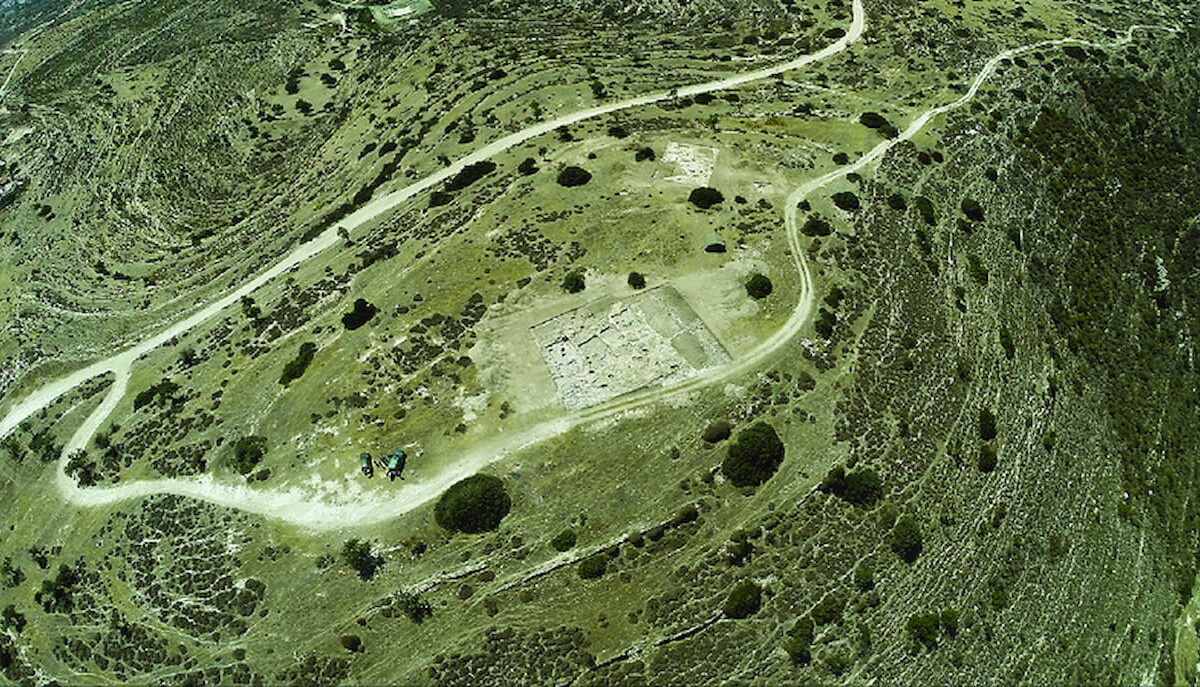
[
  {"x": 696, "y": 163},
  {"x": 611, "y": 347}
]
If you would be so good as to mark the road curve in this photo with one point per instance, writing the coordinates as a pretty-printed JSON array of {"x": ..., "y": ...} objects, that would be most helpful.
[
  {"x": 294, "y": 507},
  {"x": 48, "y": 393}
]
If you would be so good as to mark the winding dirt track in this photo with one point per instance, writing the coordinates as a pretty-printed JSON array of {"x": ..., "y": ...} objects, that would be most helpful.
[{"x": 297, "y": 508}]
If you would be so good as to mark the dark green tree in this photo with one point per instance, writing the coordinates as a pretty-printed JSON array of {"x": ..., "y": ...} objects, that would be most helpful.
[
  {"x": 924, "y": 628},
  {"x": 247, "y": 452},
  {"x": 705, "y": 197},
  {"x": 754, "y": 456},
  {"x": 573, "y": 282},
  {"x": 905, "y": 539},
  {"x": 759, "y": 286},
  {"x": 475, "y": 504},
  {"x": 743, "y": 601},
  {"x": 356, "y": 553},
  {"x": 563, "y": 541},
  {"x": 593, "y": 566},
  {"x": 573, "y": 176},
  {"x": 987, "y": 458},
  {"x": 412, "y": 606}
]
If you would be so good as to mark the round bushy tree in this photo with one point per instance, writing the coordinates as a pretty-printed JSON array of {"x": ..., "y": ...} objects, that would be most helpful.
[
  {"x": 846, "y": 200},
  {"x": 972, "y": 209},
  {"x": 754, "y": 456},
  {"x": 574, "y": 176},
  {"x": 593, "y": 566},
  {"x": 815, "y": 225},
  {"x": 717, "y": 431},
  {"x": 759, "y": 286},
  {"x": 863, "y": 487},
  {"x": 743, "y": 601},
  {"x": 475, "y": 504},
  {"x": 705, "y": 197},
  {"x": 564, "y": 541},
  {"x": 906, "y": 540},
  {"x": 573, "y": 282},
  {"x": 362, "y": 313},
  {"x": 637, "y": 280},
  {"x": 987, "y": 458}
]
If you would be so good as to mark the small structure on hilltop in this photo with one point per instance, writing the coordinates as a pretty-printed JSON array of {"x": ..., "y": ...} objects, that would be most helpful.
[
  {"x": 396, "y": 464},
  {"x": 364, "y": 462}
]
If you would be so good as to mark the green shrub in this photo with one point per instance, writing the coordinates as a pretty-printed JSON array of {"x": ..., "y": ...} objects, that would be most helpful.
[
  {"x": 949, "y": 618},
  {"x": 864, "y": 576},
  {"x": 872, "y": 120},
  {"x": 352, "y": 643},
  {"x": 296, "y": 367},
  {"x": 164, "y": 390},
  {"x": 705, "y": 197},
  {"x": 905, "y": 539},
  {"x": 743, "y": 601},
  {"x": 987, "y": 425},
  {"x": 475, "y": 504},
  {"x": 976, "y": 270},
  {"x": 828, "y": 609},
  {"x": 247, "y": 452},
  {"x": 356, "y": 553},
  {"x": 924, "y": 628},
  {"x": 837, "y": 661},
  {"x": 360, "y": 315},
  {"x": 846, "y": 200},
  {"x": 815, "y": 225},
  {"x": 564, "y": 540},
  {"x": 82, "y": 470},
  {"x": 759, "y": 286},
  {"x": 12, "y": 619},
  {"x": 860, "y": 487},
  {"x": 863, "y": 487},
  {"x": 834, "y": 481},
  {"x": 412, "y": 606},
  {"x": 637, "y": 280},
  {"x": 717, "y": 431},
  {"x": 573, "y": 176},
  {"x": 925, "y": 208},
  {"x": 469, "y": 175},
  {"x": 972, "y": 209},
  {"x": 573, "y": 282},
  {"x": 799, "y": 640},
  {"x": 593, "y": 566},
  {"x": 987, "y": 458},
  {"x": 754, "y": 456}
]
